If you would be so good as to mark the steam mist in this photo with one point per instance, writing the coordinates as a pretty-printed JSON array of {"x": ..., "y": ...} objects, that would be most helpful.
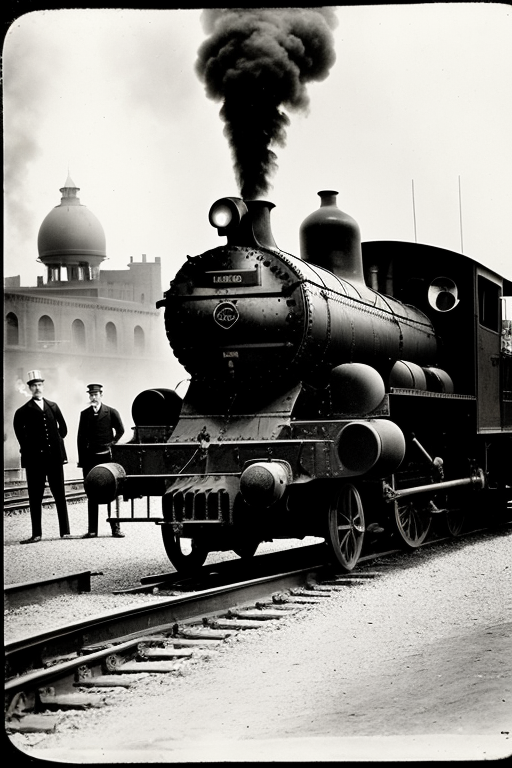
[
  {"x": 66, "y": 383},
  {"x": 257, "y": 61}
]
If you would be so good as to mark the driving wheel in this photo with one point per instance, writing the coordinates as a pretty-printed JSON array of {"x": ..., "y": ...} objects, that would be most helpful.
[
  {"x": 187, "y": 555},
  {"x": 412, "y": 523},
  {"x": 346, "y": 527},
  {"x": 245, "y": 548},
  {"x": 454, "y": 520}
]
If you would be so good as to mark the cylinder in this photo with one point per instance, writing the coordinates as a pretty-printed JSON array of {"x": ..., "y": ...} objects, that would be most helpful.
[{"x": 377, "y": 446}]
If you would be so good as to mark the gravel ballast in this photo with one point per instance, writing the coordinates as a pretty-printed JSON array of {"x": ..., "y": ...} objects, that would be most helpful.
[
  {"x": 413, "y": 665},
  {"x": 114, "y": 563}
]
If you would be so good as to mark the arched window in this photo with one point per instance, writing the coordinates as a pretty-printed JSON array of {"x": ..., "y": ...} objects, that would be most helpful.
[
  {"x": 138, "y": 339},
  {"x": 45, "y": 329},
  {"x": 13, "y": 335},
  {"x": 78, "y": 334},
  {"x": 111, "y": 332}
]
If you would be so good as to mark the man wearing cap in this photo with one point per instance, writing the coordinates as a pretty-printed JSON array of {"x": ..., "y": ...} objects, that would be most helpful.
[
  {"x": 99, "y": 428},
  {"x": 40, "y": 429}
]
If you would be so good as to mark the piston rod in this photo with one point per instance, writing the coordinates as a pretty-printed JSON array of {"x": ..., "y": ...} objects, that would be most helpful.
[{"x": 477, "y": 479}]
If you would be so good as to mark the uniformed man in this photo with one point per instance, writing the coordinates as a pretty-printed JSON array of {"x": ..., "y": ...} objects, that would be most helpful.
[
  {"x": 40, "y": 429},
  {"x": 99, "y": 428}
]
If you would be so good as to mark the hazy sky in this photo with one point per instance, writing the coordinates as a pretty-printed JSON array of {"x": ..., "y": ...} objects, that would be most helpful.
[{"x": 417, "y": 92}]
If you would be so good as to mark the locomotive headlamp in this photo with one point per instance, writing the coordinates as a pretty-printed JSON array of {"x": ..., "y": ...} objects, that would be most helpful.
[
  {"x": 227, "y": 213},
  {"x": 264, "y": 482}
]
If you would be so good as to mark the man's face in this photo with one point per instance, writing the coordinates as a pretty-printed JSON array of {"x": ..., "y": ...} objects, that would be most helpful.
[
  {"x": 95, "y": 398},
  {"x": 37, "y": 390}
]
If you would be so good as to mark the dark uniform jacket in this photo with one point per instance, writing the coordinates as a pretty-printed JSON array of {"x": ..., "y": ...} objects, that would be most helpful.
[
  {"x": 40, "y": 433},
  {"x": 97, "y": 433}
]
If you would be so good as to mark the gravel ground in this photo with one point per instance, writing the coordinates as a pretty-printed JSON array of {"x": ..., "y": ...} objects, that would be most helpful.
[
  {"x": 413, "y": 666},
  {"x": 115, "y": 563}
]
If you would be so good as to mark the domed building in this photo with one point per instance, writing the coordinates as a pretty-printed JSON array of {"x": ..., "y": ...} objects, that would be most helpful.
[
  {"x": 71, "y": 240},
  {"x": 83, "y": 323}
]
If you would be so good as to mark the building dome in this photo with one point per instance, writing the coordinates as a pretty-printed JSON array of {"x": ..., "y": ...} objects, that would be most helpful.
[{"x": 71, "y": 235}]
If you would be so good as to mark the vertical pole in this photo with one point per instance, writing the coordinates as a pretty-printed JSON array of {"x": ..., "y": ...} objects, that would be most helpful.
[
  {"x": 460, "y": 219},
  {"x": 414, "y": 212}
]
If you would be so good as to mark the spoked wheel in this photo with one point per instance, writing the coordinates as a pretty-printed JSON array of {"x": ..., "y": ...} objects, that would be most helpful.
[
  {"x": 245, "y": 548},
  {"x": 454, "y": 520},
  {"x": 187, "y": 555},
  {"x": 244, "y": 539},
  {"x": 412, "y": 523},
  {"x": 346, "y": 527}
]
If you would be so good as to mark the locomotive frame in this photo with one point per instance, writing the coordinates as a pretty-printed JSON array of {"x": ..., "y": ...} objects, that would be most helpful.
[{"x": 354, "y": 391}]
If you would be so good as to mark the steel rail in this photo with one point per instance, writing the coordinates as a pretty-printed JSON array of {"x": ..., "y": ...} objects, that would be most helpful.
[
  {"x": 23, "y": 502},
  {"x": 29, "y": 592},
  {"x": 108, "y": 630},
  {"x": 78, "y": 654},
  {"x": 11, "y": 488}
]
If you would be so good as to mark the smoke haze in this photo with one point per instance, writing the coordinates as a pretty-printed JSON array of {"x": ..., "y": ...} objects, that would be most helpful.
[
  {"x": 66, "y": 384},
  {"x": 25, "y": 88},
  {"x": 257, "y": 61}
]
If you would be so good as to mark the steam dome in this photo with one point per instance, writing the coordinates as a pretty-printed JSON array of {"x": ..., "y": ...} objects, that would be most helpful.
[{"x": 331, "y": 239}]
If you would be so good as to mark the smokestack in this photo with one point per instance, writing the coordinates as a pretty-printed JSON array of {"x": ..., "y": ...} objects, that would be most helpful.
[
  {"x": 259, "y": 216},
  {"x": 254, "y": 229},
  {"x": 257, "y": 61}
]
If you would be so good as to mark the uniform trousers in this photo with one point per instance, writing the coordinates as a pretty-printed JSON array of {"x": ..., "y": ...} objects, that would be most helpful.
[
  {"x": 93, "y": 459},
  {"x": 36, "y": 475}
]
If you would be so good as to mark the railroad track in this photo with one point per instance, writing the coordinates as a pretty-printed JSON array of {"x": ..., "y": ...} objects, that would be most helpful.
[
  {"x": 15, "y": 497},
  {"x": 73, "y": 666},
  {"x": 30, "y": 592},
  {"x": 225, "y": 572}
]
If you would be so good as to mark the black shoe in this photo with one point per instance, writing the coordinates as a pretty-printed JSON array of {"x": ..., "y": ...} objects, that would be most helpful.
[
  {"x": 65, "y": 535},
  {"x": 32, "y": 540},
  {"x": 116, "y": 531},
  {"x": 90, "y": 535}
]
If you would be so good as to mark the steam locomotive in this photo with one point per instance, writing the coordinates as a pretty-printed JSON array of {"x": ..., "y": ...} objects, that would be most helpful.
[{"x": 356, "y": 390}]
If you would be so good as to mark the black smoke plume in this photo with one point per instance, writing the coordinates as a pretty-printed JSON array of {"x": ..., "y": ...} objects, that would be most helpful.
[{"x": 258, "y": 61}]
